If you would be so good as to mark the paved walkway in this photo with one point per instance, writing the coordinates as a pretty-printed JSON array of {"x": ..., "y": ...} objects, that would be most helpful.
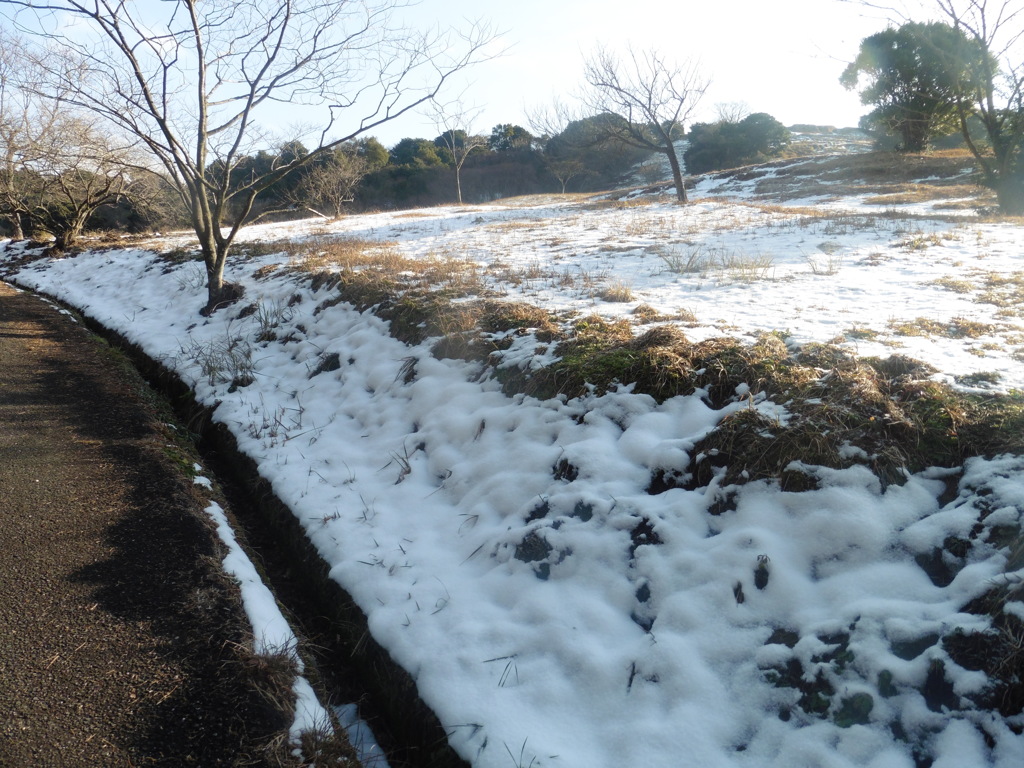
[{"x": 120, "y": 643}]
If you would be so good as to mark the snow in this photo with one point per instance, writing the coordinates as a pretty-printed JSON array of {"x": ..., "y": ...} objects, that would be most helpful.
[
  {"x": 537, "y": 624},
  {"x": 271, "y": 632},
  {"x": 365, "y": 743}
]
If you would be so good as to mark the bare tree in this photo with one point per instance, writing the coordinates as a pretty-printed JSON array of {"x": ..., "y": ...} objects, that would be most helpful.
[
  {"x": 58, "y": 166},
  {"x": 25, "y": 122},
  {"x": 331, "y": 183},
  {"x": 454, "y": 121},
  {"x": 650, "y": 98},
  {"x": 731, "y": 111},
  {"x": 566, "y": 170},
  {"x": 192, "y": 80},
  {"x": 998, "y": 100},
  {"x": 547, "y": 120},
  {"x": 82, "y": 169}
]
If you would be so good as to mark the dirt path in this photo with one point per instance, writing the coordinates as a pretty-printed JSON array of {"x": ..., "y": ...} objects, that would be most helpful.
[{"x": 120, "y": 642}]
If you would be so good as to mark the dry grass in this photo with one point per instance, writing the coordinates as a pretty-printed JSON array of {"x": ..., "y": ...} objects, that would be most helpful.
[
  {"x": 825, "y": 264},
  {"x": 645, "y": 314},
  {"x": 887, "y": 178},
  {"x": 323, "y": 253},
  {"x": 700, "y": 259},
  {"x": 1003, "y": 290},
  {"x": 916, "y": 193},
  {"x": 887, "y": 408},
  {"x": 861, "y": 333},
  {"x": 642, "y": 224},
  {"x": 381, "y": 263},
  {"x": 515, "y": 275},
  {"x": 955, "y": 328},
  {"x": 919, "y": 242},
  {"x": 614, "y": 203},
  {"x": 515, "y": 225},
  {"x": 955, "y": 284},
  {"x": 892, "y": 167},
  {"x": 615, "y": 292}
]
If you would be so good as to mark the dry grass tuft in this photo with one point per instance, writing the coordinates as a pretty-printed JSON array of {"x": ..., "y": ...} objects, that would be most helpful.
[
  {"x": 326, "y": 745},
  {"x": 661, "y": 336},
  {"x": 330, "y": 253},
  {"x": 502, "y": 316},
  {"x": 842, "y": 411},
  {"x": 489, "y": 326},
  {"x": 955, "y": 284},
  {"x": 916, "y": 193},
  {"x": 383, "y": 260},
  {"x": 955, "y": 328},
  {"x": 645, "y": 313},
  {"x": 615, "y": 292},
  {"x": 1003, "y": 290}
]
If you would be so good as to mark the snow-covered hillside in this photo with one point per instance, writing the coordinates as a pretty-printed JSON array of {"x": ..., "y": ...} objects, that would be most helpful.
[{"x": 554, "y": 607}]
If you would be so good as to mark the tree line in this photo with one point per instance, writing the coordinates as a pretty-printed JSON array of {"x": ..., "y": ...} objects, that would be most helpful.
[{"x": 64, "y": 170}]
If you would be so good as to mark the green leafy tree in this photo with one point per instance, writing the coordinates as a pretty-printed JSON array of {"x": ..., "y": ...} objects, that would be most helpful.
[
  {"x": 373, "y": 152},
  {"x": 993, "y": 93},
  {"x": 509, "y": 138},
  {"x": 915, "y": 76},
  {"x": 420, "y": 153},
  {"x": 996, "y": 93},
  {"x": 727, "y": 144}
]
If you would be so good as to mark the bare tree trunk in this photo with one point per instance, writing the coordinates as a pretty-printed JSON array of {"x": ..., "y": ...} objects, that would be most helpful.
[
  {"x": 17, "y": 231},
  {"x": 214, "y": 249},
  {"x": 1010, "y": 194},
  {"x": 67, "y": 234},
  {"x": 677, "y": 173}
]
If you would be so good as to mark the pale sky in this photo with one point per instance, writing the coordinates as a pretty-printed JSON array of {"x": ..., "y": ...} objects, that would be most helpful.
[{"x": 783, "y": 57}]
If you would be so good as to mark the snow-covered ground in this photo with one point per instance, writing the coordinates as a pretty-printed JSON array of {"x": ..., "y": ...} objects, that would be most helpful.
[{"x": 506, "y": 550}]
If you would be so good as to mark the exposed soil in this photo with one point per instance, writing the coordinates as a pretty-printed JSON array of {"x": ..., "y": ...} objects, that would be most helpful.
[{"x": 121, "y": 642}]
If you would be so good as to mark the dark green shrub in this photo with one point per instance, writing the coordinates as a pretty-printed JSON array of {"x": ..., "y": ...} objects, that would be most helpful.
[{"x": 727, "y": 144}]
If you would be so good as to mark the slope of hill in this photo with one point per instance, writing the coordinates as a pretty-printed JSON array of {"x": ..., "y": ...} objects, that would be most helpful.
[{"x": 617, "y": 480}]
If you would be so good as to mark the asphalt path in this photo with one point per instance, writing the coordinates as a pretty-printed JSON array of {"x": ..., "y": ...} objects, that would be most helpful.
[{"x": 121, "y": 643}]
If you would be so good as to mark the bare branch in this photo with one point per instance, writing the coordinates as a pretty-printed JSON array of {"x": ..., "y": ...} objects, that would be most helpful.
[
  {"x": 650, "y": 98},
  {"x": 454, "y": 122},
  {"x": 198, "y": 82}
]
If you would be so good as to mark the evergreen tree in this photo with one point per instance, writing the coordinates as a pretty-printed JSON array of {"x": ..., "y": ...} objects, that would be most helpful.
[{"x": 915, "y": 74}]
